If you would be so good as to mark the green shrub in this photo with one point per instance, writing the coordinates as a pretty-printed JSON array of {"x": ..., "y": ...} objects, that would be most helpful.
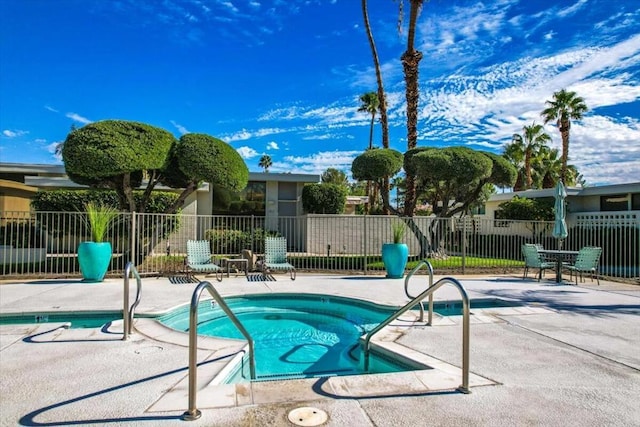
[
  {"x": 75, "y": 200},
  {"x": 324, "y": 198}
]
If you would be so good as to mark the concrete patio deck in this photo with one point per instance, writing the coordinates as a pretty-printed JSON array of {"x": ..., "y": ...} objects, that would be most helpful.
[{"x": 569, "y": 356}]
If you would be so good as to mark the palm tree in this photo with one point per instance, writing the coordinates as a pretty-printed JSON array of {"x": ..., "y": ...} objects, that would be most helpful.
[
  {"x": 549, "y": 168},
  {"x": 533, "y": 138},
  {"x": 334, "y": 176},
  {"x": 514, "y": 153},
  {"x": 410, "y": 61},
  {"x": 565, "y": 106},
  {"x": 384, "y": 122},
  {"x": 376, "y": 62},
  {"x": 371, "y": 105},
  {"x": 265, "y": 162}
]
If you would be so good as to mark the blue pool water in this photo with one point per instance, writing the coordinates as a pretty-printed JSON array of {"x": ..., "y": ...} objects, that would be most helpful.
[
  {"x": 77, "y": 320},
  {"x": 295, "y": 335}
]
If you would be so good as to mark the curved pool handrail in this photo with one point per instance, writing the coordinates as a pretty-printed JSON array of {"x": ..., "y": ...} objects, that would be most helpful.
[
  {"x": 406, "y": 289},
  {"x": 464, "y": 387},
  {"x": 128, "y": 312},
  {"x": 193, "y": 413}
]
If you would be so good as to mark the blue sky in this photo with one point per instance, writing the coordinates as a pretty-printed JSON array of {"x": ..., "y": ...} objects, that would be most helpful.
[{"x": 283, "y": 78}]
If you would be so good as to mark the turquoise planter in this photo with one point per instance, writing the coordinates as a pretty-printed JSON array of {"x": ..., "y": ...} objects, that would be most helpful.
[
  {"x": 94, "y": 259},
  {"x": 394, "y": 257}
]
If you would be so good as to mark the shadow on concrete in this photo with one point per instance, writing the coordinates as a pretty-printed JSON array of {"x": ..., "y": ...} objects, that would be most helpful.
[{"x": 30, "y": 418}]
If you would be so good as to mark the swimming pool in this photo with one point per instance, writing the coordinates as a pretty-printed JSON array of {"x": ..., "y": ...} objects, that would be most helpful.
[
  {"x": 76, "y": 319},
  {"x": 296, "y": 336}
]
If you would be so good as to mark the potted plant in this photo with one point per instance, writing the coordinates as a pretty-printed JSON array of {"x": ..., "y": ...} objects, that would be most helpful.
[
  {"x": 94, "y": 256},
  {"x": 396, "y": 254}
]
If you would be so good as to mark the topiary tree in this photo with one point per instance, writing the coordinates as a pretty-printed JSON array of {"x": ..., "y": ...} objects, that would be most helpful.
[
  {"x": 116, "y": 154},
  {"x": 453, "y": 179},
  {"x": 376, "y": 166},
  {"x": 324, "y": 198},
  {"x": 199, "y": 157}
]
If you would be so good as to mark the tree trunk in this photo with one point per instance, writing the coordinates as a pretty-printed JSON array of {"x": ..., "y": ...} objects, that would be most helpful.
[
  {"x": 410, "y": 61},
  {"x": 564, "y": 126}
]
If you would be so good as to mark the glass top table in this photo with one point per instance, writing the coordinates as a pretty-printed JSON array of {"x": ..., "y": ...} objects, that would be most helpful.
[{"x": 560, "y": 256}]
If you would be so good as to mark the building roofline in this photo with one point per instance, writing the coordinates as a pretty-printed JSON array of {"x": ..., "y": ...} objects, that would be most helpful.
[{"x": 631, "y": 187}]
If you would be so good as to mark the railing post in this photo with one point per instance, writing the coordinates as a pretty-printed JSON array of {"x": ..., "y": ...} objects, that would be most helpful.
[
  {"x": 364, "y": 240},
  {"x": 125, "y": 305},
  {"x": 464, "y": 244},
  {"x": 134, "y": 237}
]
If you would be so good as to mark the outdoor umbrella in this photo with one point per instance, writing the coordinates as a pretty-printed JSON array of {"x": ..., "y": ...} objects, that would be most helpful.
[{"x": 560, "y": 226}]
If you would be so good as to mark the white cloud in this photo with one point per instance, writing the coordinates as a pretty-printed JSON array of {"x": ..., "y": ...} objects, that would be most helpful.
[
  {"x": 272, "y": 146},
  {"x": 14, "y": 133},
  {"x": 567, "y": 11},
  {"x": 51, "y": 109},
  {"x": 246, "y": 152},
  {"x": 183, "y": 130},
  {"x": 244, "y": 134},
  {"x": 316, "y": 163},
  {"x": 78, "y": 118}
]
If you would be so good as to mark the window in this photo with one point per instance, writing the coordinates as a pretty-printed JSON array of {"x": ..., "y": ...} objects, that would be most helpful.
[
  {"x": 614, "y": 202},
  {"x": 249, "y": 201},
  {"x": 635, "y": 202}
]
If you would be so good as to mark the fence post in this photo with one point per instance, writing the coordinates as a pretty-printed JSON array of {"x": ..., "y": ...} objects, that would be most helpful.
[
  {"x": 253, "y": 235},
  {"x": 134, "y": 237},
  {"x": 365, "y": 234},
  {"x": 464, "y": 244}
]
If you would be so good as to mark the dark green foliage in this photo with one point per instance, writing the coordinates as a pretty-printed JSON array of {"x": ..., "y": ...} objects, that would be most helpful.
[
  {"x": 324, "y": 198},
  {"x": 49, "y": 203},
  {"x": 453, "y": 179},
  {"x": 373, "y": 165},
  {"x": 201, "y": 157},
  {"x": 334, "y": 176},
  {"x": 503, "y": 173},
  {"x": 74, "y": 200},
  {"x": 231, "y": 241},
  {"x": 114, "y": 147},
  {"x": 526, "y": 209}
]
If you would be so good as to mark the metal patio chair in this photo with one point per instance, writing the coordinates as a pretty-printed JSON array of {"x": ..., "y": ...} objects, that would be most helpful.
[
  {"x": 199, "y": 259},
  {"x": 534, "y": 259},
  {"x": 586, "y": 262},
  {"x": 275, "y": 256}
]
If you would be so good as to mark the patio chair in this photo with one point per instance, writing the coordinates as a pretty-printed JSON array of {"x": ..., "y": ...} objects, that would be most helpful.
[
  {"x": 199, "y": 259},
  {"x": 586, "y": 262},
  {"x": 534, "y": 259},
  {"x": 275, "y": 256}
]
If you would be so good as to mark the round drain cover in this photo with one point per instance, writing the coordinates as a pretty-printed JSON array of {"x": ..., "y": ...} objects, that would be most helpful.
[{"x": 308, "y": 416}]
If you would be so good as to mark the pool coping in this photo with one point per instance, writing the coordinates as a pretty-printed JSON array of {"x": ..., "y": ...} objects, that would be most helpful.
[{"x": 216, "y": 356}]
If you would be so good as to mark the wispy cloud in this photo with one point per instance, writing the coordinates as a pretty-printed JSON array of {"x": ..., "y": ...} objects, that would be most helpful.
[
  {"x": 245, "y": 134},
  {"x": 47, "y": 107},
  {"x": 183, "y": 130},
  {"x": 78, "y": 118},
  {"x": 272, "y": 146},
  {"x": 573, "y": 9},
  {"x": 317, "y": 163},
  {"x": 14, "y": 133}
]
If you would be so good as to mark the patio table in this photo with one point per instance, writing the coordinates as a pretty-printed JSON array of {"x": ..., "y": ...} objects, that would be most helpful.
[
  {"x": 237, "y": 263},
  {"x": 560, "y": 256}
]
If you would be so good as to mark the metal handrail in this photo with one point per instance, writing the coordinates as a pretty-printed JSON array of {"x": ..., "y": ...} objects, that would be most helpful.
[
  {"x": 464, "y": 387},
  {"x": 127, "y": 312},
  {"x": 406, "y": 289},
  {"x": 193, "y": 413}
]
